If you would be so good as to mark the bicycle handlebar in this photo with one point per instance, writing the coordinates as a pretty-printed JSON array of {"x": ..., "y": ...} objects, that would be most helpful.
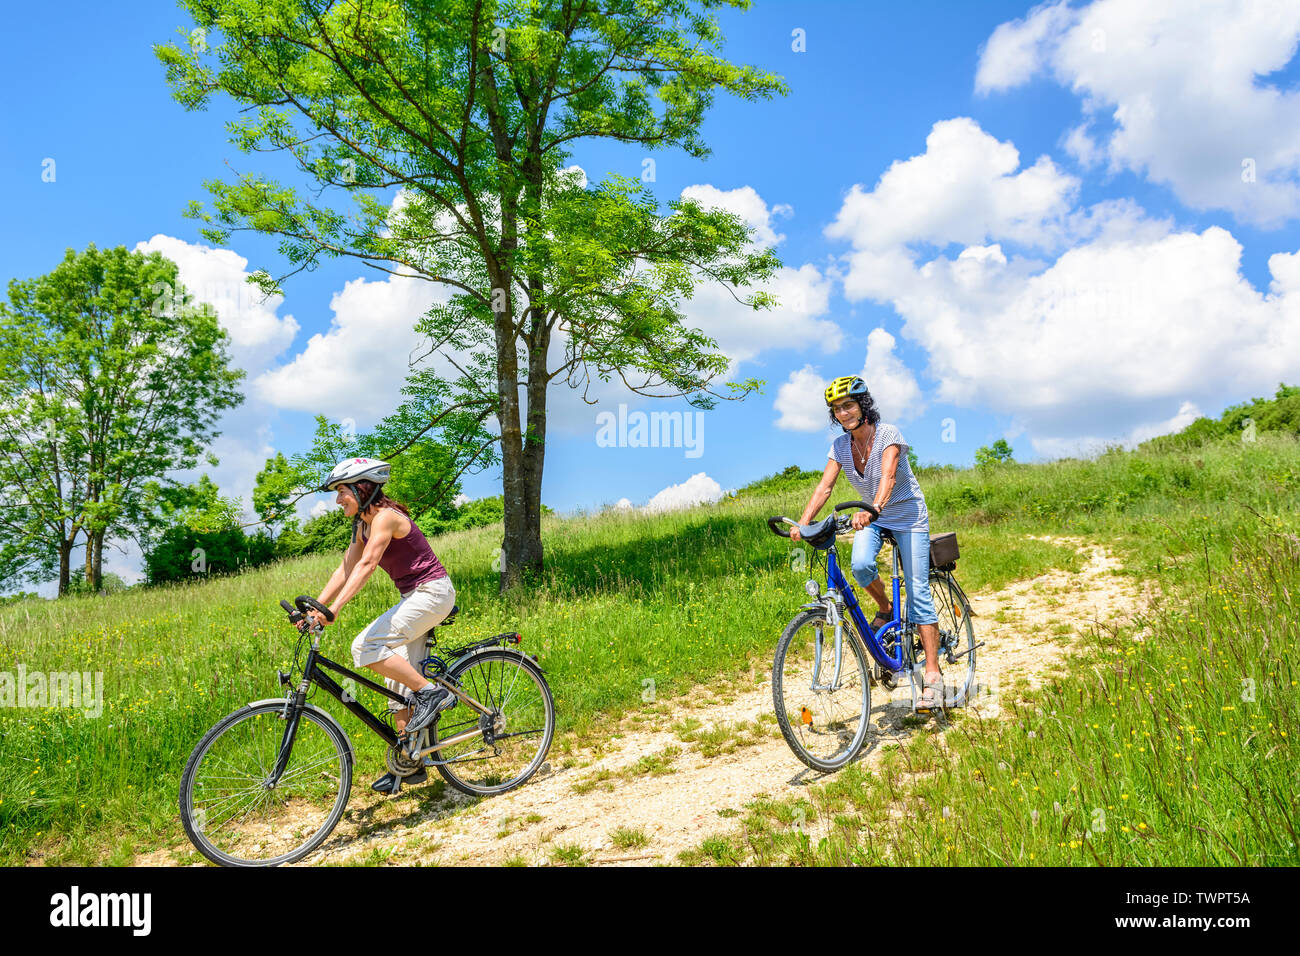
[
  {"x": 774, "y": 522},
  {"x": 303, "y": 604},
  {"x": 315, "y": 605},
  {"x": 861, "y": 506}
]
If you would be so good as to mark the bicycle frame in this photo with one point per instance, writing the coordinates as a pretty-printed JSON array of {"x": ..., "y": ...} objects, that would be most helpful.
[
  {"x": 314, "y": 673},
  {"x": 836, "y": 581}
]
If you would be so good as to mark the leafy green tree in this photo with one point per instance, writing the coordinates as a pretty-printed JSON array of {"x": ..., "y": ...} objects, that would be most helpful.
[
  {"x": 326, "y": 533},
  {"x": 108, "y": 380},
  {"x": 110, "y": 583},
  {"x": 998, "y": 453},
  {"x": 272, "y": 490},
  {"x": 203, "y": 536},
  {"x": 469, "y": 107}
]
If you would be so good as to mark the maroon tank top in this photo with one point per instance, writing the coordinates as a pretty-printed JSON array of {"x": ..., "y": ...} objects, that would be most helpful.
[{"x": 409, "y": 561}]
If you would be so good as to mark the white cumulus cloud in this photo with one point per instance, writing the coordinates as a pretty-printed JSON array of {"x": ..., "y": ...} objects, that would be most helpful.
[
  {"x": 966, "y": 186},
  {"x": 357, "y": 368},
  {"x": 218, "y": 277},
  {"x": 696, "y": 490},
  {"x": 1173, "y": 90},
  {"x": 801, "y": 402}
]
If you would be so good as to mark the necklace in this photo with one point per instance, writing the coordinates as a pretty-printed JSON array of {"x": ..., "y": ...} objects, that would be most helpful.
[{"x": 865, "y": 452}]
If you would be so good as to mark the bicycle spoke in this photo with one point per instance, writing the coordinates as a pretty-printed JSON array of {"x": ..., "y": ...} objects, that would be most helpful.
[
  {"x": 256, "y": 823},
  {"x": 516, "y": 697}
]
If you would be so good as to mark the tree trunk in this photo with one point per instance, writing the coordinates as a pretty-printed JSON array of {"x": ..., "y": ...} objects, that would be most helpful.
[
  {"x": 65, "y": 565},
  {"x": 521, "y": 551},
  {"x": 535, "y": 442},
  {"x": 95, "y": 571}
]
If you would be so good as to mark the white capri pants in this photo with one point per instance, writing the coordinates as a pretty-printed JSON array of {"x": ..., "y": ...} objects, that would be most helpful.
[{"x": 400, "y": 631}]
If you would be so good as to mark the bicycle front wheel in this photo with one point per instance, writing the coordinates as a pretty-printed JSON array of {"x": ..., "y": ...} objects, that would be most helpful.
[
  {"x": 232, "y": 812},
  {"x": 514, "y": 737},
  {"x": 823, "y": 716},
  {"x": 956, "y": 639}
]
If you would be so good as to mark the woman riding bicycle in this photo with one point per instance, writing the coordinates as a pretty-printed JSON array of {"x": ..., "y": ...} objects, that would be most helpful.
[
  {"x": 391, "y": 540},
  {"x": 873, "y": 457}
]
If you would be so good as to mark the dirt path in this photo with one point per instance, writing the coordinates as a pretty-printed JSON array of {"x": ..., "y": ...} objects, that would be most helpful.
[{"x": 663, "y": 794}]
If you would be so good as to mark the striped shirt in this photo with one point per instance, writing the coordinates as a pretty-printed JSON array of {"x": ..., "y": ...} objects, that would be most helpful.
[{"x": 905, "y": 510}]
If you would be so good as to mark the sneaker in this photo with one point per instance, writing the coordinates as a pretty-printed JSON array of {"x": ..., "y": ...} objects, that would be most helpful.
[
  {"x": 425, "y": 706},
  {"x": 390, "y": 783}
]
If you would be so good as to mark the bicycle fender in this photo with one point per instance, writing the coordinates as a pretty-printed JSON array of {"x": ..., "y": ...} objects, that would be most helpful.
[
  {"x": 495, "y": 647},
  {"x": 322, "y": 714}
]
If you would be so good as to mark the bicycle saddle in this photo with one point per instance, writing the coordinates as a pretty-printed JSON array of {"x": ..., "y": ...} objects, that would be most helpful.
[{"x": 821, "y": 534}]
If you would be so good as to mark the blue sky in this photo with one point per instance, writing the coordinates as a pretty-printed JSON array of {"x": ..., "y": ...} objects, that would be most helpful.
[{"x": 1064, "y": 225}]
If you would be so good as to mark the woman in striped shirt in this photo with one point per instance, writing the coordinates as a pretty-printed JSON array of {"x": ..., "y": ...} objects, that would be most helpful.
[{"x": 873, "y": 456}]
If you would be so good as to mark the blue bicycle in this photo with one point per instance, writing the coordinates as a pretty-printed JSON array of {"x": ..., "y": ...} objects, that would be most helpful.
[{"x": 821, "y": 682}]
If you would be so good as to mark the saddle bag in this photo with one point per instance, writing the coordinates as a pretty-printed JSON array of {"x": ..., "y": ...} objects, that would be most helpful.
[{"x": 943, "y": 551}]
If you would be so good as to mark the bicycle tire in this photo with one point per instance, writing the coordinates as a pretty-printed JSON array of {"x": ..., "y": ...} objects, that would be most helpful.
[
  {"x": 848, "y": 725},
  {"x": 956, "y": 635},
  {"x": 239, "y": 848},
  {"x": 521, "y": 709}
]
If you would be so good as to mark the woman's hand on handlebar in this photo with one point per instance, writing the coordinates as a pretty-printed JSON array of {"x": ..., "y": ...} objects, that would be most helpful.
[
  {"x": 861, "y": 519},
  {"x": 316, "y": 616},
  {"x": 794, "y": 533}
]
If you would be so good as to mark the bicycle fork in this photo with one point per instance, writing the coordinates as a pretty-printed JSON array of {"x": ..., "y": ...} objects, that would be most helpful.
[{"x": 837, "y": 619}]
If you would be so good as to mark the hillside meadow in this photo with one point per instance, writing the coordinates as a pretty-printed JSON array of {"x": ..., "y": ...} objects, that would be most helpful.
[{"x": 632, "y": 603}]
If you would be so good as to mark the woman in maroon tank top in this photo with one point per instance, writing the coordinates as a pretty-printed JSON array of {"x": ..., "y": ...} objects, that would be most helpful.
[{"x": 389, "y": 538}]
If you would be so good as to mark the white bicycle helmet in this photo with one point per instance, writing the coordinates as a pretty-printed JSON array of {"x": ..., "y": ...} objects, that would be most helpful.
[{"x": 351, "y": 470}]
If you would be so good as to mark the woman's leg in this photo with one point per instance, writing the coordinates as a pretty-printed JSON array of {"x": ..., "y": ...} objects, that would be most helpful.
[
  {"x": 425, "y": 607},
  {"x": 866, "y": 547},
  {"x": 384, "y": 646},
  {"x": 914, "y": 555}
]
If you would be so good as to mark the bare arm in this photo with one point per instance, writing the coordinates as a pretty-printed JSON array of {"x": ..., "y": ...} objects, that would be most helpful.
[
  {"x": 344, "y": 570},
  {"x": 821, "y": 494},
  {"x": 888, "y": 474},
  {"x": 381, "y": 532}
]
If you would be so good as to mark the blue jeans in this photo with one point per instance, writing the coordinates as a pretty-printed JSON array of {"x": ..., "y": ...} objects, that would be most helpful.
[{"x": 913, "y": 555}]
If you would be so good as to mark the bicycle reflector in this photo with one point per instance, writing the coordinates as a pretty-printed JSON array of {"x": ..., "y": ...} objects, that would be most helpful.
[
  {"x": 514, "y": 638},
  {"x": 805, "y": 716}
]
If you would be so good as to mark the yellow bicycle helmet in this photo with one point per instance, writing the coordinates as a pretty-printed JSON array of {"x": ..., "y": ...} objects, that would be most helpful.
[{"x": 845, "y": 386}]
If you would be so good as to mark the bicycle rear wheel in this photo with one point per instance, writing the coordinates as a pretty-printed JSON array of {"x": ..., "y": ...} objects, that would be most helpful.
[
  {"x": 956, "y": 638},
  {"x": 231, "y": 813},
  {"x": 520, "y": 726},
  {"x": 825, "y": 722}
]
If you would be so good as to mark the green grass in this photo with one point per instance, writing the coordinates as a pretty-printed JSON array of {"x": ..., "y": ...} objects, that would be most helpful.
[
  {"x": 632, "y": 604},
  {"x": 570, "y": 854},
  {"x": 629, "y": 838},
  {"x": 1171, "y": 742}
]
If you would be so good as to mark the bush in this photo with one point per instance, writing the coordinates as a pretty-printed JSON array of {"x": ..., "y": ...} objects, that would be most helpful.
[
  {"x": 182, "y": 553},
  {"x": 997, "y": 454}
]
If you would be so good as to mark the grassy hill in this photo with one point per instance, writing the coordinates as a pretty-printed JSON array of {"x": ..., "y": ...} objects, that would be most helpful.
[{"x": 682, "y": 598}]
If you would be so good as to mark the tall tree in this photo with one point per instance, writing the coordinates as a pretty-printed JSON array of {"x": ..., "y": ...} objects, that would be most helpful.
[
  {"x": 470, "y": 108},
  {"x": 108, "y": 380},
  {"x": 272, "y": 490}
]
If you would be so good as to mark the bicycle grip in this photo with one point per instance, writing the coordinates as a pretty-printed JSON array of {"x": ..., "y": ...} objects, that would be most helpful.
[
  {"x": 777, "y": 525},
  {"x": 875, "y": 512},
  {"x": 308, "y": 601}
]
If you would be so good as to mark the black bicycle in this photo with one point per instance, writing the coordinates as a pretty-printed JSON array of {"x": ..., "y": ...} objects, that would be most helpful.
[{"x": 269, "y": 782}]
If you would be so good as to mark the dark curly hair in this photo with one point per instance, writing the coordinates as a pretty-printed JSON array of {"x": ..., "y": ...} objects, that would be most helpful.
[{"x": 869, "y": 412}]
